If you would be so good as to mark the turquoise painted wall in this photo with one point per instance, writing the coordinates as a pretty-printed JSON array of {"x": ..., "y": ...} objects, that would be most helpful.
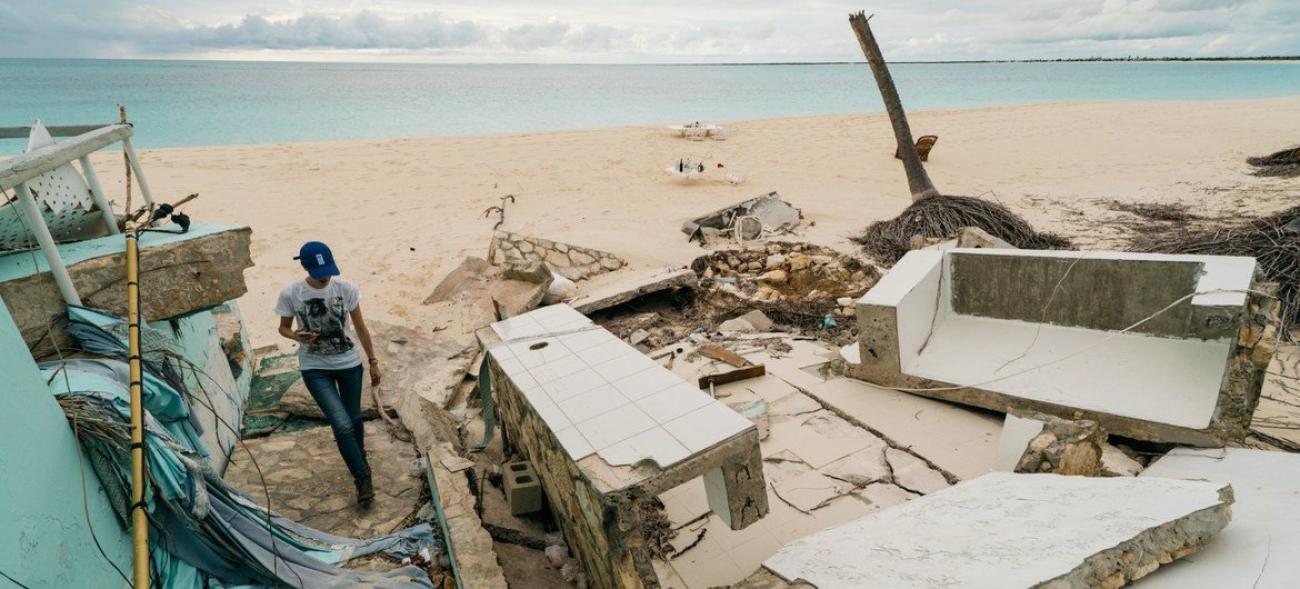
[{"x": 44, "y": 537}]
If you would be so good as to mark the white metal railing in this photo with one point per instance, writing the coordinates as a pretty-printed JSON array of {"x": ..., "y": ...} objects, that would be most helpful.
[{"x": 83, "y": 140}]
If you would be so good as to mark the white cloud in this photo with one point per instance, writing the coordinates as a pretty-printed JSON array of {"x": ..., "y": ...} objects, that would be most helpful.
[{"x": 619, "y": 31}]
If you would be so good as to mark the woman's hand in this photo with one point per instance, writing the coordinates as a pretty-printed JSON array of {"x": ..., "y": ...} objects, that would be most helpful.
[{"x": 375, "y": 376}]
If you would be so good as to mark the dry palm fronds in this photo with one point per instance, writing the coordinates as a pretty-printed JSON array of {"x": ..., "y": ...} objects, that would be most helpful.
[
  {"x": 95, "y": 419},
  {"x": 941, "y": 216},
  {"x": 1281, "y": 163},
  {"x": 1274, "y": 241}
]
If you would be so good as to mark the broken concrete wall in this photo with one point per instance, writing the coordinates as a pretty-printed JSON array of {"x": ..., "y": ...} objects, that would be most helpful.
[
  {"x": 179, "y": 274},
  {"x": 932, "y": 326},
  {"x": 571, "y": 261}
]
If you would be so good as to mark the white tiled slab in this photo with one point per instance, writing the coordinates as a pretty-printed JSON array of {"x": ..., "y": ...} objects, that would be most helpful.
[
  {"x": 582, "y": 407},
  {"x": 647, "y": 382},
  {"x": 615, "y": 425},
  {"x": 583, "y": 381},
  {"x": 706, "y": 426},
  {"x": 577, "y": 446},
  {"x": 654, "y": 444},
  {"x": 625, "y": 365},
  {"x": 673, "y": 402}
]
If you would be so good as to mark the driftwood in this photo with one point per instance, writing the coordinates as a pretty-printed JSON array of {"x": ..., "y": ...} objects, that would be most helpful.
[{"x": 918, "y": 181}]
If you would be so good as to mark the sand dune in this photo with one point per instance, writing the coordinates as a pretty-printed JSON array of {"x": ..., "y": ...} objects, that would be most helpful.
[{"x": 401, "y": 213}]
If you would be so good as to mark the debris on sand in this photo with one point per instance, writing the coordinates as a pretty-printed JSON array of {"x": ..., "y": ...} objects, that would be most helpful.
[
  {"x": 941, "y": 216},
  {"x": 1273, "y": 240},
  {"x": 773, "y": 215},
  {"x": 1172, "y": 212}
]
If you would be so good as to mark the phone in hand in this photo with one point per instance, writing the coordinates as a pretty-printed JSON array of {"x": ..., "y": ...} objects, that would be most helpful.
[{"x": 306, "y": 336}]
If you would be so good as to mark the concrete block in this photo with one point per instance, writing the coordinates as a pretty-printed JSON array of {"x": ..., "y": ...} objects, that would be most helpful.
[
  {"x": 1009, "y": 531},
  {"x": 1147, "y": 345},
  {"x": 523, "y": 488}
]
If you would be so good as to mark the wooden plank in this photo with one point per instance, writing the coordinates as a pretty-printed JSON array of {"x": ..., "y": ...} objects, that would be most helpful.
[
  {"x": 22, "y": 168},
  {"x": 722, "y": 354},
  {"x": 738, "y": 374}
]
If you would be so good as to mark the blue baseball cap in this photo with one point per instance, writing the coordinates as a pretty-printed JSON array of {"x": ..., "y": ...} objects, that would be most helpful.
[{"x": 317, "y": 260}]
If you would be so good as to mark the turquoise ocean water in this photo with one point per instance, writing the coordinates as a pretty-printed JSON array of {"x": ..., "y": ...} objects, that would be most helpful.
[{"x": 186, "y": 103}]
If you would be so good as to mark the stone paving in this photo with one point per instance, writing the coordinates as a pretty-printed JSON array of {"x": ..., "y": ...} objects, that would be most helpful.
[{"x": 309, "y": 483}]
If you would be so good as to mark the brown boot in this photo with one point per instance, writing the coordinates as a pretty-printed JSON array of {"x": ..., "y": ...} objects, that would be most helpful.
[{"x": 365, "y": 492}]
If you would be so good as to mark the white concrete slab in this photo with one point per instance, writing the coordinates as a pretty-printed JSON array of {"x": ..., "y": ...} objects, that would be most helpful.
[
  {"x": 1157, "y": 379},
  {"x": 1259, "y": 549},
  {"x": 980, "y": 534},
  {"x": 958, "y": 440}
]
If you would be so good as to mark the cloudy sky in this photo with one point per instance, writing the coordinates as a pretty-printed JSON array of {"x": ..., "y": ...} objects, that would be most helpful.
[{"x": 623, "y": 31}]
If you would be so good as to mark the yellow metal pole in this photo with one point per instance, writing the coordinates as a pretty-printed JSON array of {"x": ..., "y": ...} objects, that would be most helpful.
[{"x": 139, "y": 518}]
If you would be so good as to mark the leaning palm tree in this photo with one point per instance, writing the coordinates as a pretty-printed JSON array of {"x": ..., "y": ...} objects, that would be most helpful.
[
  {"x": 917, "y": 180},
  {"x": 931, "y": 213}
]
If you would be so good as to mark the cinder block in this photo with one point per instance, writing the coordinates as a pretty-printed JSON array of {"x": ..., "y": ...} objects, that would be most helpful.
[{"x": 523, "y": 489}]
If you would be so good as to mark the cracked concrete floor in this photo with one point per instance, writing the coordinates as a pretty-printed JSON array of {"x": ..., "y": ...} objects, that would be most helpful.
[{"x": 308, "y": 482}]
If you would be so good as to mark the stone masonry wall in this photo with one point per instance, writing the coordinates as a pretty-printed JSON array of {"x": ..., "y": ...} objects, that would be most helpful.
[
  {"x": 571, "y": 261},
  {"x": 601, "y": 532}
]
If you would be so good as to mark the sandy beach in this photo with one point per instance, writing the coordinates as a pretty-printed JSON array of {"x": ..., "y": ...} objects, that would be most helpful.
[{"x": 402, "y": 213}]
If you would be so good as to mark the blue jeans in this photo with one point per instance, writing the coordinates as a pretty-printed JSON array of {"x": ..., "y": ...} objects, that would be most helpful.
[{"x": 338, "y": 392}]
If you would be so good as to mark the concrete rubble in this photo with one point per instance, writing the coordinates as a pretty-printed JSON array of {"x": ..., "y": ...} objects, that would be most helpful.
[
  {"x": 973, "y": 535},
  {"x": 796, "y": 472}
]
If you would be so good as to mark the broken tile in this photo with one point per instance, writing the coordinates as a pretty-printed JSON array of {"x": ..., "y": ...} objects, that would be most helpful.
[
  {"x": 958, "y": 440},
  {"x": 861, "y": 468},
  {"x": 885, "y": 495},
  {"x": 806, "y": 437},
  {"x": 912, "y": 473},
  {"x": 809, "y": 490}
]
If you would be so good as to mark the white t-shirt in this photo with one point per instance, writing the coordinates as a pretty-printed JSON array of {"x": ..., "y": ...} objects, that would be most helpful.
[{"x": 323, "y": 311}]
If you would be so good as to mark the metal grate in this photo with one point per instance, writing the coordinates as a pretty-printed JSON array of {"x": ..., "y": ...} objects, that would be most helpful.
[{"x": 63, "y": 198}]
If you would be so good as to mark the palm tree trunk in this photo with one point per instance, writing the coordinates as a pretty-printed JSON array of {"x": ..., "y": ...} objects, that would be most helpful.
[{"x": 917, "y": 180}]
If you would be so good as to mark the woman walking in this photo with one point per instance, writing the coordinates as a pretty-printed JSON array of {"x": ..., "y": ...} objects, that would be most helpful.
[{"x": 327, "y": 355}]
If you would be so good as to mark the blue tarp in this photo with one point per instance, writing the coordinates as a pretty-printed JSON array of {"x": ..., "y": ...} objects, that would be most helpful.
[{"x": 203, "y": 532}]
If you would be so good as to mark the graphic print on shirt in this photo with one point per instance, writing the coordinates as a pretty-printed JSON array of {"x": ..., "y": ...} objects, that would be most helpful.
[{"x": 328, "y": 320}]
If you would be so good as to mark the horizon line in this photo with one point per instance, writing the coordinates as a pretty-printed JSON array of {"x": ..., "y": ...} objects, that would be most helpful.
[{"x": 711, "y": 63}]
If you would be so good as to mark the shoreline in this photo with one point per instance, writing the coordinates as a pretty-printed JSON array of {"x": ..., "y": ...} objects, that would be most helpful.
[
  {"x": 401, "y": 213},
  {"x": 725, "y": 122}
]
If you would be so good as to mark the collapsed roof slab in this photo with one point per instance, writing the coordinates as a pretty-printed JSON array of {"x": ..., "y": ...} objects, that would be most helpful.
[
  {"x": 1008, "y": 531},
  {"x": 1157, "y": 347},
  {"x": 1257, "y": 550},
  {"x": 607, "y": 429},
  {"x": 179, "y": 274},
  {"x": 618, "y": 292}
]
